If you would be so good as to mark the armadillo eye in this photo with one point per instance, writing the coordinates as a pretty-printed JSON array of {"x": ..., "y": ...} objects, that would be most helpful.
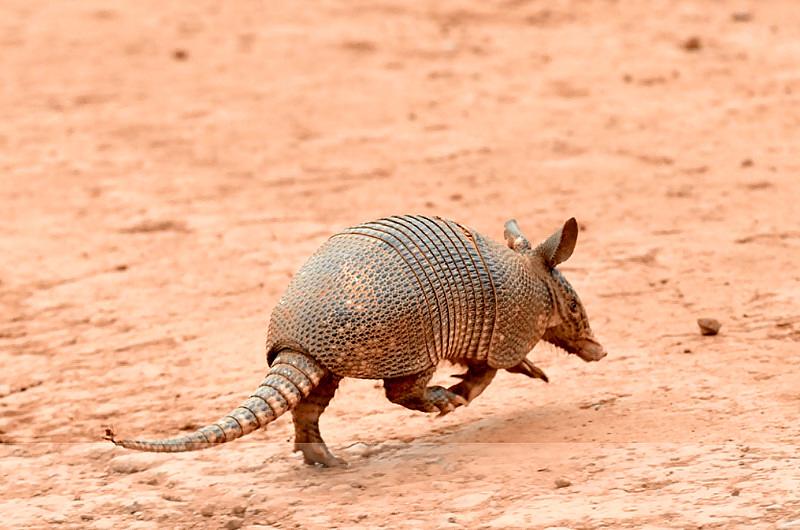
[{"x": 573, "y": 305}]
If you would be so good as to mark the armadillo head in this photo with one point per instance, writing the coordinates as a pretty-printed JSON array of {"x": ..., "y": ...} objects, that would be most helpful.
[{"x": 568, "y": 327}]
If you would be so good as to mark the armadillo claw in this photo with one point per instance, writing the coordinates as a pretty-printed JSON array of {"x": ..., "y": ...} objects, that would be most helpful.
[
  {"x": 318, "y": 453},
  {"x": 448, "y": 401},
  {"x": 473, "y": 382},
  {"x": 531, "y": 370}
]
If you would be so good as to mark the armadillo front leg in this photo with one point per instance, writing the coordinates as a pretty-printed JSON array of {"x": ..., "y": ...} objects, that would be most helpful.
[
  {"x": 412, "y": 392},
  {"x": 306, "y": 424},
  {"x": 474, "y": 381}
]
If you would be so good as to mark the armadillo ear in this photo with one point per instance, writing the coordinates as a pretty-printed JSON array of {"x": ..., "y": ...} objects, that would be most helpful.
[
  {"x": 514, "y": 238},
  {"x": 558, "y": 247}
]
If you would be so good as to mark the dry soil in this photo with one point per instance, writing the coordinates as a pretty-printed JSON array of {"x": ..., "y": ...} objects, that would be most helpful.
[{"x": 165, "y": 167}]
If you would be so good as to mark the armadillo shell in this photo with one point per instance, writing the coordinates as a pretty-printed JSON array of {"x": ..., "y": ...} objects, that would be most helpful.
[{"x": 394, "y": 296}]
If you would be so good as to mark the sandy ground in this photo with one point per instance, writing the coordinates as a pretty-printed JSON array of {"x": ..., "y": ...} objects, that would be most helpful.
[{"x": 166, "y": 166}]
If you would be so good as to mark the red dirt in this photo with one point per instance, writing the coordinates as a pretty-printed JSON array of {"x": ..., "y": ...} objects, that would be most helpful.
[{"x": 166, "y": 167}]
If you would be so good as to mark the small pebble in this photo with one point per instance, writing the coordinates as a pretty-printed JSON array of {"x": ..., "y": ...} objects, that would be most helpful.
[
  {"x": 709, "y": 326},
  {"x": 736, "y": 492},
  {"x": 692, "y": 44},
  {"x": 360, "y": 449},
  {"x": 234, "y": 524},
  {"x": 562, "y": 483}
]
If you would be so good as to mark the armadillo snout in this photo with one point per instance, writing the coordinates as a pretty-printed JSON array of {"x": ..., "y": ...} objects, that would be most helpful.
[
  {"x": 587, "y": 348},
  {"x": 590, "y": 350}
]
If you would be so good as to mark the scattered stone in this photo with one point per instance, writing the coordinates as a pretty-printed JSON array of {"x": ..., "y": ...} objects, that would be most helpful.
[
  {"x": 709, "y": 326},
  {"x": 360, "y": 449},
  {"x": 507, "y": 520},
  {"x": 239, "y": 510},
  {"x": 57, "y": 518},
  {"x": 234, "y": 524},
  {"x": 562, "y": 483},
  {"x": 742, "y": 16},
  {"x": 133, "y": 463},
  {"x": 692, "y": 44},
  {"x": 687, "y": 350},
  {"x": 208, "y": 510},
  {"x": 134, "y": 507},
  {"x": 320, "y": 521},
  {"x": 470, "y": 500},
  {"x": 166, "y": 516},
  {"x": 180, "y": 54},
  {"x": 735, "y": 492},
  {"x": 747, "y": 162},
  {"x": 154, "y": 225},
  {"x": 104, "y": 524}
]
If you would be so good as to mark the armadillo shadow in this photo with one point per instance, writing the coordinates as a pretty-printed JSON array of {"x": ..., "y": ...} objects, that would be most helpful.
[{"x": 571, "y": 426}]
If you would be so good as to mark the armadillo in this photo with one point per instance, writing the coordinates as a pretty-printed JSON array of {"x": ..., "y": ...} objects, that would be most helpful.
[{"x": 390, "y": 299}]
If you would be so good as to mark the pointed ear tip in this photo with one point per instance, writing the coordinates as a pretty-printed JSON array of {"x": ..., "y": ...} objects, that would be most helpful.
[{"x": 571, "y": 227}]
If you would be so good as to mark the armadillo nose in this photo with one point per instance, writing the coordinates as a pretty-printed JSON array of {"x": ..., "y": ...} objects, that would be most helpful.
[{"x": 591, "y": 350}]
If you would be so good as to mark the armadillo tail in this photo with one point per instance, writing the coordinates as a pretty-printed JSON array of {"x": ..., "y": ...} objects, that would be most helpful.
[{"x": 291, "y": 378}]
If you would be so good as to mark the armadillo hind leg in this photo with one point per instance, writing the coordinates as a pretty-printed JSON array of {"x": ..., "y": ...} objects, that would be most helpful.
[
  {"x": 473, "y": 382},
  {"x": 412, "y": 392},
  {"x": 306, "y": 424}
]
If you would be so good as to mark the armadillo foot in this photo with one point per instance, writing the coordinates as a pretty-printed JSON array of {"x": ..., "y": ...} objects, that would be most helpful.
[
  {"x": 473, "y": 382},
  {"x": 318, "y": 453},
  {"x": 445, "y": 400},
  {"x": 410, "y": 391},
  {"x": 306, "y": 424},
  {"x": 531, "y": 370}
]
